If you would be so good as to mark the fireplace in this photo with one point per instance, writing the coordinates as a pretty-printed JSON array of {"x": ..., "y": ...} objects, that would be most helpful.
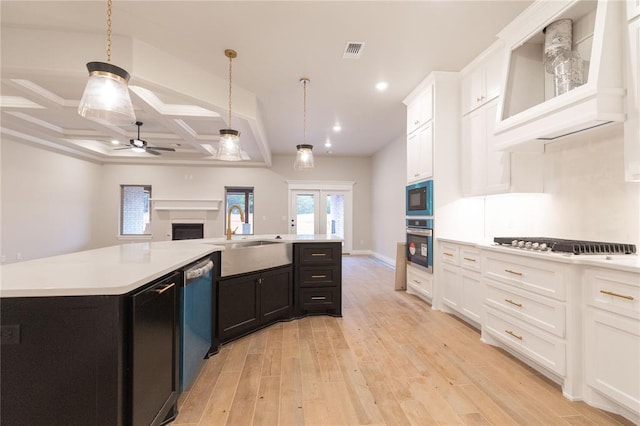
[{"x": 187, "y": 231}]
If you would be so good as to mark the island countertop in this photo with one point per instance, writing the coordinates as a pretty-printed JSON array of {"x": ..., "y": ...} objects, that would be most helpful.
[{"x": 114, "y": 270}]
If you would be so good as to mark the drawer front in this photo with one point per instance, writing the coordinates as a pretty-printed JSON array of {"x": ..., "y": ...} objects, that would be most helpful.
[
  {"x": 316, "y": 277},
  {"x": 420, "y": 281},
  {"x": 542, "y": 312},
  {"x": 540, "y": 277},
  {"x": 319, "y": 253},
  {"x": 614, "y": 291},
  {"x": 546, "y": 350},
  {"x": 449, "y": 253},
  {"x": 318, "y": 299},
  {"x": 470, "y": 258}
]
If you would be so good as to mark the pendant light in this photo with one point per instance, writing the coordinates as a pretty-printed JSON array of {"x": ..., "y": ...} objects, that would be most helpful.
[
  {"x": 304, "y": 156},
  {"x": 106, "y": 97},
  {"x": 229, "y": 146}
]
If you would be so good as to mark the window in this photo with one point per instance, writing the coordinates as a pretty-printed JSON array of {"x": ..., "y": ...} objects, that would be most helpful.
[
  {"x": 243, "y": 198},
  {"x": 135, "y": 214}
]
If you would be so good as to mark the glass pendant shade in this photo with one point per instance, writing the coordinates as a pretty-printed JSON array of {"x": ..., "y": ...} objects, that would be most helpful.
[
  {"x": 304, "y": 157},
  {"x": 229, "y": 146},
  {"x": 106, "y": 97}
]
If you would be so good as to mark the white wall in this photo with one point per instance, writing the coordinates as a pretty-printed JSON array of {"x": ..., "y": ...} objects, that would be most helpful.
[
  {"x": 389, "y": 171},
  {"x": 585, "y": 195},
  {"x": 48, "y": 202}
]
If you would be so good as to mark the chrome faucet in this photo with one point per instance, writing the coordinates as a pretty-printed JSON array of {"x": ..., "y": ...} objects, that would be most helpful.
[{"x": 229, "y": 231}]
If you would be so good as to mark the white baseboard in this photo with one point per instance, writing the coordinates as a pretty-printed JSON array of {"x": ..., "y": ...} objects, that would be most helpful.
[
  {"x": 361, "y": 253},
  {"x": 389, "y": 261}
]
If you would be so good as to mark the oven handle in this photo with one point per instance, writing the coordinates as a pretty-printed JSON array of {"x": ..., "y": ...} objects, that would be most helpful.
[{"x": 419, "y": 232}]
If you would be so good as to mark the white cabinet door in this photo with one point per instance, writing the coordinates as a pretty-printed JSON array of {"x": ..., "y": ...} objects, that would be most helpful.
[
  {"x": 485, "y": 170},
  {"x": 633, "y": 9},
  {"x": 472, "y": 294},
  {"x": 498, "y": 165},
  {"x": 420, "y": 110},
  {"x": 450, "y": 282},
  {"x": 632, "y": 124},
  {"x": 493, "y": 75},
  {"x": 420, "y": 154},
  {"x": 611, "y": 356},
  {"x": 482, "y": 84}
]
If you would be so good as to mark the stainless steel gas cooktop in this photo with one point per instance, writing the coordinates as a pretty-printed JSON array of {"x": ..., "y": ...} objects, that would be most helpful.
[{"x": 566, "y": 246}]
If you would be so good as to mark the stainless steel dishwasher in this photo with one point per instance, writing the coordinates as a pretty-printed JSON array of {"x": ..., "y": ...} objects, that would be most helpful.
[{"x": 196, "y": 320}]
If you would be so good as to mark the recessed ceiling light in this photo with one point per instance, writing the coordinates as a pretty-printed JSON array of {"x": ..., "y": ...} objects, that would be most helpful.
[
  {"x": 115, "y": 142},
  {"x": 337, "y": 128},
  {"x": 327, "y": 143},
  {"x": 382, "y": 86}
]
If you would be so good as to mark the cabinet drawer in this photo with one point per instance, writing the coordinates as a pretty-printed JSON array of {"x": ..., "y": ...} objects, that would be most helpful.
[
  {"x": 449, "y": 253},
  {"x": 419, "y": 281},
  {"x": 318, "y": 254},
  {"x": 318, "y": 299},
  {"x": 542, "y": 277},
  {"x": 470, "y": 258},
  {"x": 542, "y": 312},
  {"x": 548, "y": 351},
  {"x": 614, "y": 291},
  {"x": 316, "y": 277}
]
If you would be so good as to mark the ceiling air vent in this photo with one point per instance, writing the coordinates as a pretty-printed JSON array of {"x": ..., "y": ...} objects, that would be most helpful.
[{"x": 353, "y": 50}]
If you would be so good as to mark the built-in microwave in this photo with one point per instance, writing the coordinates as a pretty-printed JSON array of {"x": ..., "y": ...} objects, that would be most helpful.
[{"x": 420, "y": 199}]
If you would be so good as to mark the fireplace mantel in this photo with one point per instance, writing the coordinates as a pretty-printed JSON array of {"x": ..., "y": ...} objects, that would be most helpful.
[{"x": 185, "y": 204}]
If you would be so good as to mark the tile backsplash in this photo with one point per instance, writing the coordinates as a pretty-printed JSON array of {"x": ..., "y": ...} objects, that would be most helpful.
[{"x": 585, "y": 195}]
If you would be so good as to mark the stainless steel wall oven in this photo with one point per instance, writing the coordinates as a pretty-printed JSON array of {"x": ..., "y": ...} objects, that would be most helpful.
[{"x": 420, "y": 243}]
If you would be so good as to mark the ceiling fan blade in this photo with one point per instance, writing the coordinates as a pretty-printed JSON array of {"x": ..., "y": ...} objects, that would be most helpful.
[
  {"x": 159, "y": 148},
  {"x": 118, "y": 149},
  {"x": 151, "y": 151}
]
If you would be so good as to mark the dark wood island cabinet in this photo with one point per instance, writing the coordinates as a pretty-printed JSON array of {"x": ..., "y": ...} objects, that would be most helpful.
[{"x": 90, "y": 360}]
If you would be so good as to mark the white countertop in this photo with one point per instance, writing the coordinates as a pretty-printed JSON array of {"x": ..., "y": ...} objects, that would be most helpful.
[
  {"x": 117, "y": 269},
  {"x": 622, "y": 262}
]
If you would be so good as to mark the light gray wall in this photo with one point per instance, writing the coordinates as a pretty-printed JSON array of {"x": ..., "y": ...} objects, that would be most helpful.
[
  {"x": 48, "y": 201},
  {"x": 389, "y": 171},
  {"x": 270, "y": 194}
]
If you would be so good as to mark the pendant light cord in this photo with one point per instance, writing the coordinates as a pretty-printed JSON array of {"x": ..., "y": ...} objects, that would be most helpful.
[
  {"x": 109, "y": 3},
  {"x": 230, "y": 61},
  {"x": 304, "y": 114}
]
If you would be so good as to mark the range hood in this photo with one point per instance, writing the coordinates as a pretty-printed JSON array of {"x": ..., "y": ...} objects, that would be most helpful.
[{"x": 530, "y": 112}]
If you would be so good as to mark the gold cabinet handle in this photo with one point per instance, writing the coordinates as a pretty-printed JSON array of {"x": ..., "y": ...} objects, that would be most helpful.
[
  {"x": 447, "y": 254},
  {"x": 470, "y": 259},
  {"x": 318, "y": 276},
  {"x": 513, "y": 334},
  {"x": 611, "y": 293},
  {"x": 318, "y": 298},
  {"x": 513, "y": 272},
  {"x": 318, "y": 254},
  {"x": 513, "y": 303},
  {"x": 165, "y": 288}
]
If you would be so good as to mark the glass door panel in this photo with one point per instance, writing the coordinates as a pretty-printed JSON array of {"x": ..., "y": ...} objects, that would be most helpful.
[{"x": 305, "y": 205}]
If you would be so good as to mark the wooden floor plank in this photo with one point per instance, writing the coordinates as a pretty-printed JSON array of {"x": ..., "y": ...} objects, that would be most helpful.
[{"x": 244, "y": 401}]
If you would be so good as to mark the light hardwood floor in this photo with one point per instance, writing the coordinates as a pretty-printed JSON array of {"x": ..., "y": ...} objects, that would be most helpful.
[{"x": 390, "y": 360}]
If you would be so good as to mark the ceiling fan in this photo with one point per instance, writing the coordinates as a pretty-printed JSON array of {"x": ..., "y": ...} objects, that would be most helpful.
[{"x": 139, "y": 145}]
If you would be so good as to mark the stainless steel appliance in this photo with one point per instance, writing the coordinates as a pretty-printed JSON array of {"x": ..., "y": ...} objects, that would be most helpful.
[
  {"x": 196, "y": 320},
  {"x": 420, "y": 243},
  {"x": 420, "y": 199},
  {"x": 565, "y": 246}
]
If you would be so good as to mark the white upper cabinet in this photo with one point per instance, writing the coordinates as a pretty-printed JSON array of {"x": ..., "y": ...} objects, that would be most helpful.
[
  {"x": 420, "y": 154},
  {"x": 633, "y": 9},
  {"x": 632, "y": 125},
  {"x": 481, "y": 79},
  {"x": 532, "y": 107},
  {"x": 420, "y": 109}
]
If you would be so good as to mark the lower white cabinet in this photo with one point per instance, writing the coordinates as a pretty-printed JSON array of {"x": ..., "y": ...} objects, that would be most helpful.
[
  {"x": 459, "y": 280},
  {"x": 612, "y": 340},
  {"x": 419, "y": 282}
]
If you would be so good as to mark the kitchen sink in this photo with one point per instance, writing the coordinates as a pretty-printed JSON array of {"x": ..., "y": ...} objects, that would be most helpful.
[{"x": 241, "y": 257}]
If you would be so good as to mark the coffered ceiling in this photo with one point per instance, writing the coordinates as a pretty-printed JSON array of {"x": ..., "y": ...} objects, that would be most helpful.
[{"x": 174, "y": 51}]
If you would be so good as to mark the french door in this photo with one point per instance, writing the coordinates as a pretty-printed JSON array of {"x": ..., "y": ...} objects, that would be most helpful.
[{"x": 321, "y": 212}]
